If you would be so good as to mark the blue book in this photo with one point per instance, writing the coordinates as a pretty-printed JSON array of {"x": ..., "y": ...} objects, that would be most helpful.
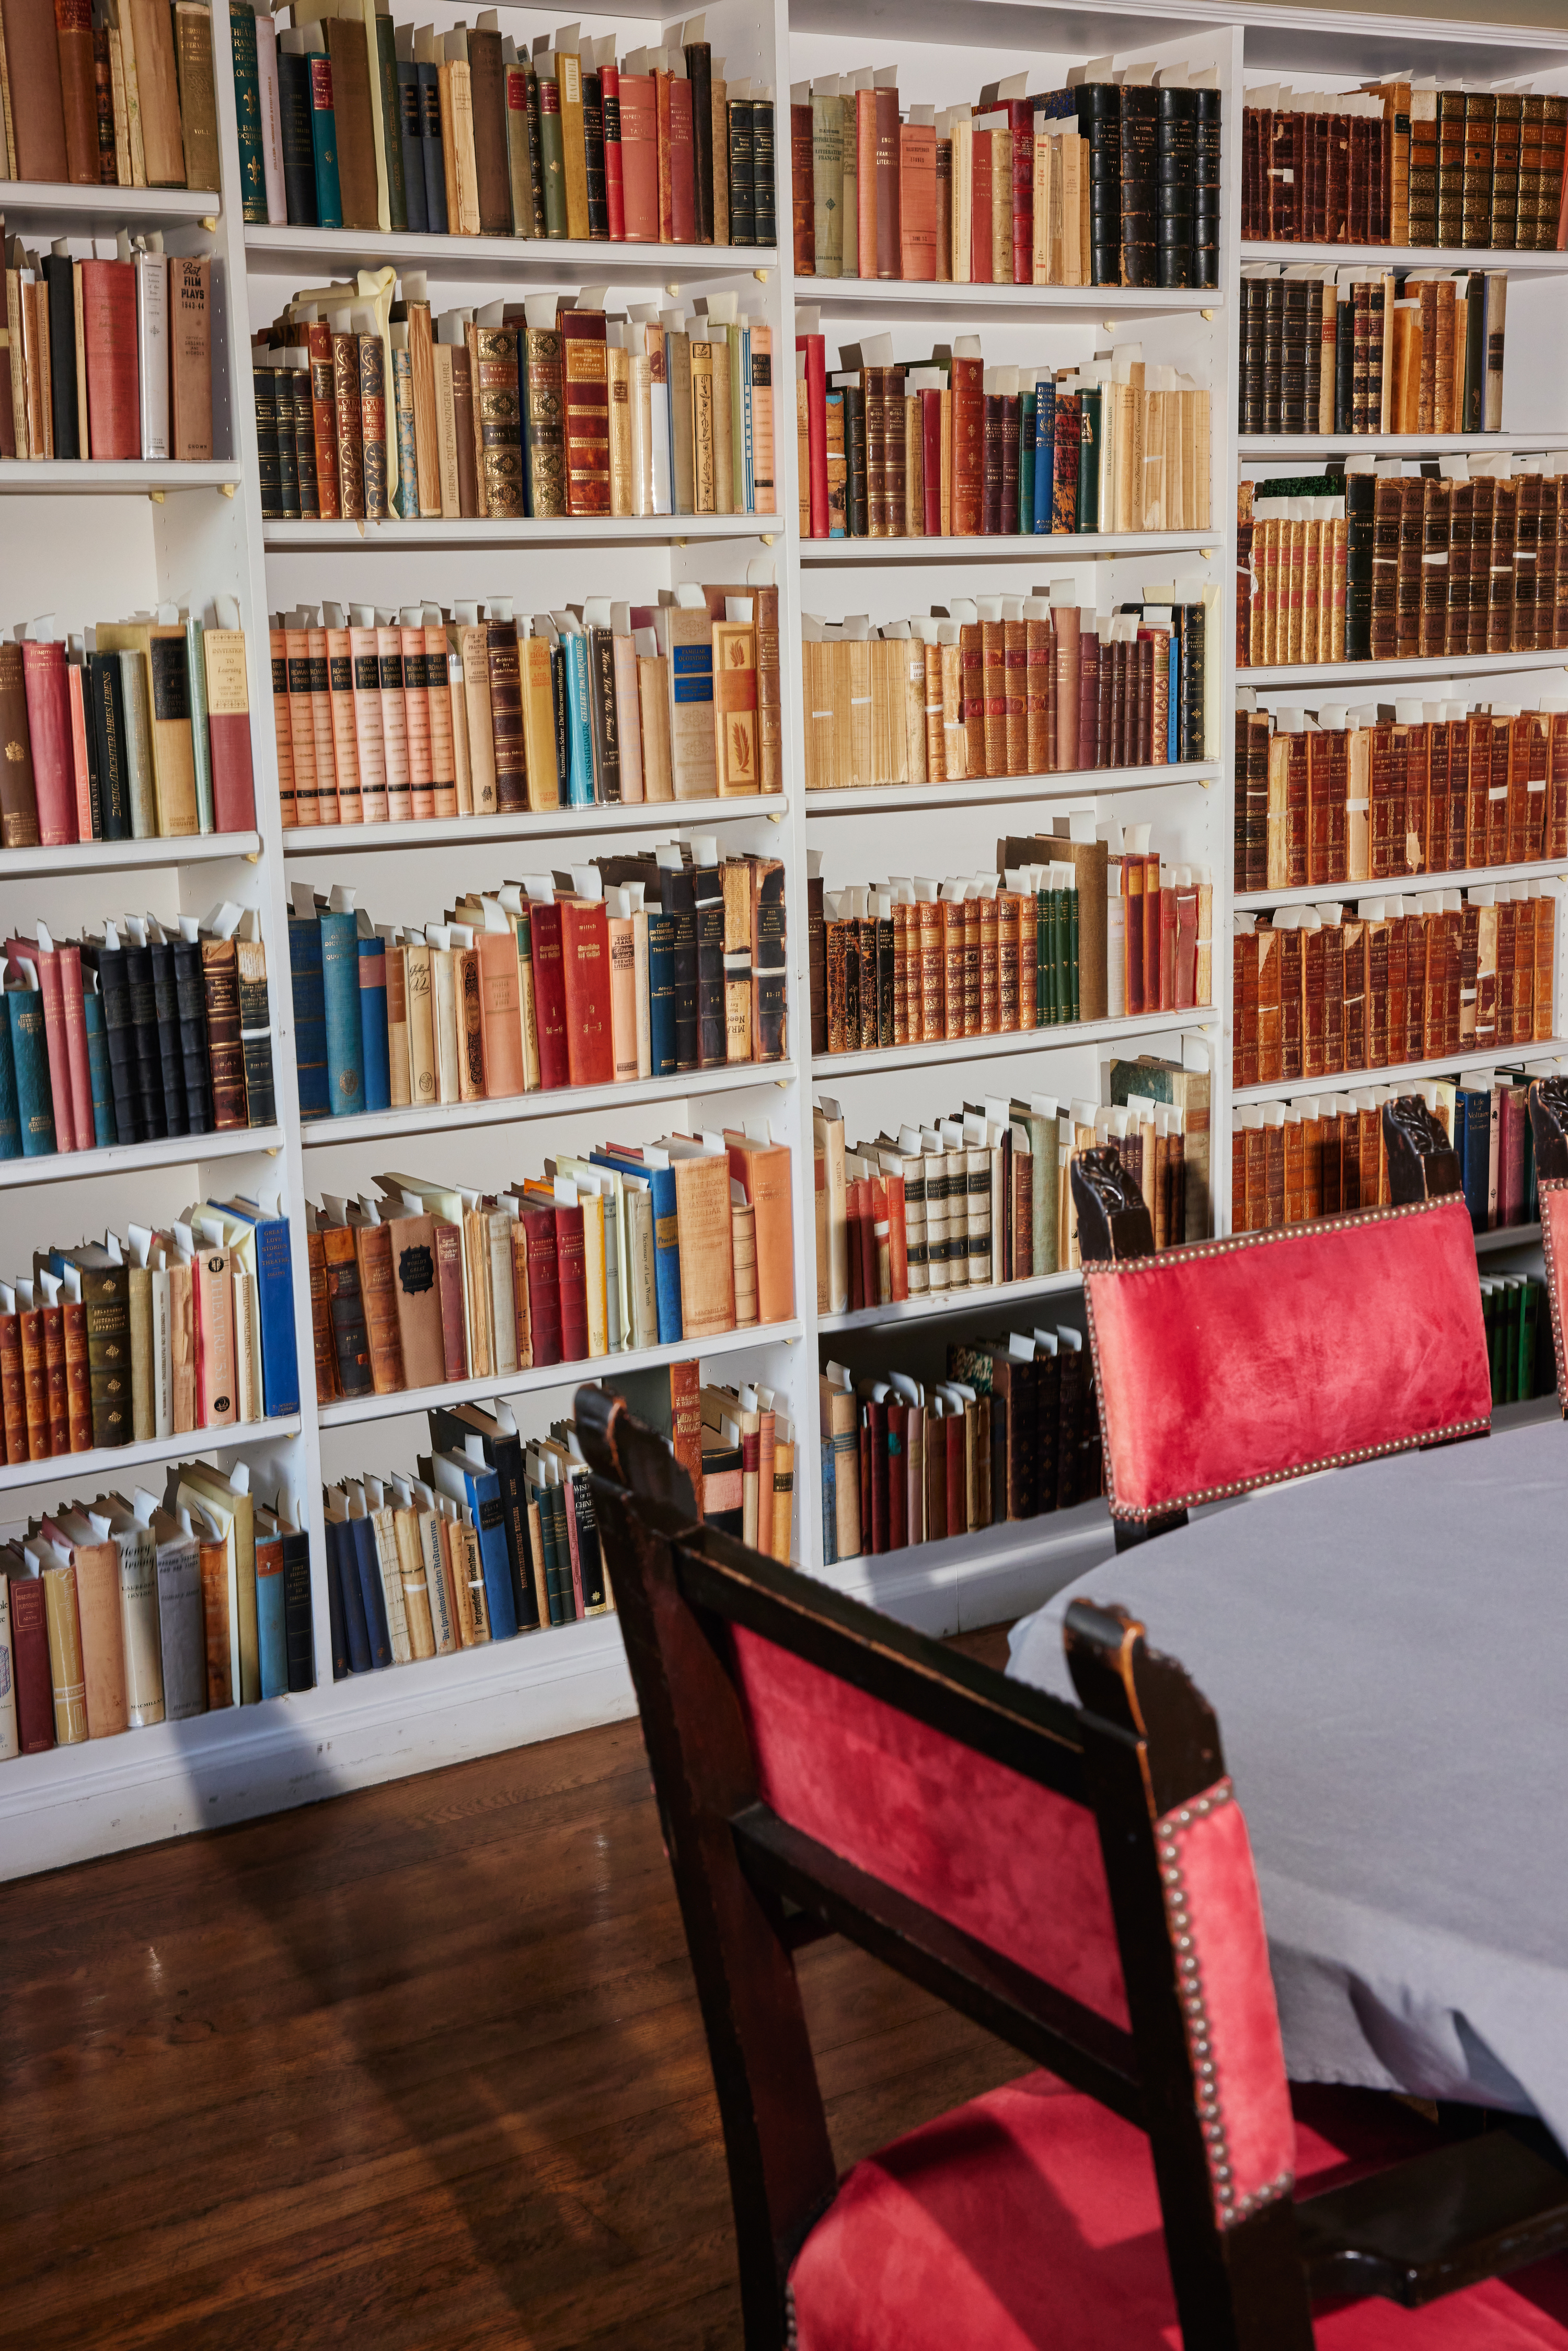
[
  {"x": 376, "y": 1059},
  {"x": 373, "y": 1597},
  {"x": 104, "y": 1132},
  {"x": 10, "y": 1120},
  {"x": 410, "y": 126},
  {"x": 310, "y": 1017},
  {"x": 483, "y": 1489},
  {"x": 666, "y": 1257},
  {"x": 272, "y": 1638},
  {"x": 343, "y": 1576},
  {"x": 324, "y": 145},
  {"x": 830, "y": 1509},
  {"x": 578, "y": 723},
  {"x": 1472, "y": 1133},
  {"x": 837, "y": 516},
  {"x": 335, "y": 1622},
  {"x": 30, "y": 1065},
  {"x": 435, "y": 152},
  {"x": 1044, "y": 452},
  {"x": 275, "y": 1301},
  {"x": 662, "y": 992},
  {"x": 1026, "y": 460},
  {"x": 340, "y": 1004}
]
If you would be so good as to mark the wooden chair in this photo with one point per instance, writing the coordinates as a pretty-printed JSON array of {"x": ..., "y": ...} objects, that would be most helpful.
[
  {"x": 1076, "y": 1879},
  {"x": 1228, "y": 1364},
  {"x": 1549, "y": 1125},
  {"x": 1422, "y": 1163}
]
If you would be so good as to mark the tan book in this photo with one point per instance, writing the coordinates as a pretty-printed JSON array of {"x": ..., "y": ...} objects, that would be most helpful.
[
  {"x": 723, "y": 426},
  {"x": 622, "y": 479},
  {"x": 735, "y": 712},
  {"x": 704, "y": 451},
  {"x": 446, "y": 432},
  {"x": 456, "y": 95},
  {"x": 426, "y": 418},
  {"x": 653, "y": 708},
  {"x": 573, "y": 140},
  {"x": 422, "y": 1070},
  {"x": 198, "y": 106},
  {"x": 412, "y": 1577},
  {"x": 707, "y": 1244},
  {"x": 158, "y": 94},
  {"x": 102, "y": 1631},
  {"x": 62, "y": 1623},
  {"x": 473, "y": 644},
  {"x": 539, "y": 723}
]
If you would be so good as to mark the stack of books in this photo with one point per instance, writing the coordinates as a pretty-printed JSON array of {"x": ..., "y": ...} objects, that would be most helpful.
[
  {"x": 1069, "y": 929},
  {"x": 1006, "y": 685},
  {"x": 127, "y": 1341},
  {"x": 117, "y": 1614},
  {"x": 1377, "y": 563},
  {"x": 537, "y": 986},
  {"x": 142, "y": 734},
  {"x": 1385, "y": 794},
  {"x": 420, "y": 715},
  {"x": 143, "y": 1033},
  {"x": 1317, "y": 990},
  {"x": 634, "y": 1245},
  {"x": 1114, "y": 181},
  {"x": 1013, "y": 1432},
  {"x": 948, "y": 448},
  {"x": 1320, "y": 1155},
  {"x": 456, "y": 134},
  {"x": 1367, "y": 350},
  {"x": 119, "y": 98},
  {"x": 1404, "y": 163},
  {"x": 109, "y": 350},
  {"x": 368, "y": 408},
  {"x": 1517, "y": 1319}
]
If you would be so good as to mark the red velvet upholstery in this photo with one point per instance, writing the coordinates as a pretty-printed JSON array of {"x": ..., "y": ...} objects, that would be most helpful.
[
  {"x": 1232, "y": 2024},
  {"x": 1029, "y": 2220},
  {"x": 996, "y": 1854},
  {"x": 1234, "y": 1363},
  {"x": 1554, "y": 1240}
]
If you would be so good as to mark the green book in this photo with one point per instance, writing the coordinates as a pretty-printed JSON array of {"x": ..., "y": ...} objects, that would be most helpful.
[
  {"x": 196, "y": 677},
  {"x": 1087, "y": 459},
  {"x": 1529, "y": 1328},
  {"x": 247, "y": 112},
  {"x": 1041, "y": 954},
  {"x": 1073, "y": 999},
  {"x": 390, "y": 121},
  {"x": 553, "y": 152}
]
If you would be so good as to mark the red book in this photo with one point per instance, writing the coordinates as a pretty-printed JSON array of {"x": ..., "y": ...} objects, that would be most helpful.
[
  {"x": 968, "y": 445},
  {"x": 876, "y": 1430},
  {"x": 49, "y": 733},
  {"x": 639, "y": 158},
  {"x": 324, "y": 423},
  {"x": 1153, "y": 899},
  {"x": 1021, "y": 116},
  {"x": 662, "y": 127},
  {"x": 549, "y": 993},
  {"x": 587, "y": 411},
  {"x": 585, "y": 971},
  {"x": 897, "y": 1239},
  {"x": 228, "y": 730},
  {"x": 573, "y": 1273},
  {"x": 47, "y": 962},
  {"x": 109, "y": 343},
  {"x": 544, "y": 1285},
  {"x": 683, "y": 163},
  {"x": 930, "y": 480},
  {"x": 76, "y": 1045},
  {"x": 79, "y": 751},
  {"x": 30, "y": 1654},
  {"x": 897, "y": 1475},
  {"x": 957, "y": 1514},
  {"x": 1167, "y": 897},
  {"x": 855, "y": 1230},
  {"x": 614, "y": 172},
  {"x": 815, "y": 349}
]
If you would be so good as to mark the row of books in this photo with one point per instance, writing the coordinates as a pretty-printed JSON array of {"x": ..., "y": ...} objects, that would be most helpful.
[
  {"x": 1076, "y": 925},
  {"x": 948, "y": 448},
  {"x": 1379, "y": 563},
  {"x": 1366, "y": 351},
  {"x": 542, "y": 984},
  {"x": 109, "y": 351},
  {"x": 124, "y": 1611},
  {"x": 384, "y": 715},
  {"x": 126, "y": 102},
  {"x": 1013, "y": 1432},
  {"x": 1518, "y": 1320},
  {"x": 375, "y": 407},
  {"x": 1387, "y": 793},
  {"x": 349, "y": 121},
  {"x": 143, "y": 1033},
  {"x": 1322, "y": 1155},
  {"x": 630, "y": 1247},
  {"x": 1005, "y": 685},
  {"x": 135, "y": 730},
  {"x": 1114, "y": 181},
  {"x": 1403, "y": 163},
  {"x": 125, "y": 1341},
  {"x": 1318, "y": 989}
]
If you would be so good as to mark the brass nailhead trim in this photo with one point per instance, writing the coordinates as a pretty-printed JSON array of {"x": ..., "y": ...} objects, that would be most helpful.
[{"x": 1553, "y": 1277}]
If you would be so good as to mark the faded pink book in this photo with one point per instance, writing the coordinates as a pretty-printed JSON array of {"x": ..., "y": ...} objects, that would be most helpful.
[
  {"x": 626, "y": 709},
  {"x": 416, "y": 722},
  {"x": 395, "y": 725},
  {"x": 321, "y": 727},
  {"x": 369, "y": 747},
  {"x": 438, "y": 693},
  {"x": 78, "y": 752},
  {"x": 345, "y": 750}
]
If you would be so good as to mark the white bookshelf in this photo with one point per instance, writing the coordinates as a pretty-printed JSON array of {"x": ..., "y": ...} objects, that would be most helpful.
[{"x": 101, "y": 540}]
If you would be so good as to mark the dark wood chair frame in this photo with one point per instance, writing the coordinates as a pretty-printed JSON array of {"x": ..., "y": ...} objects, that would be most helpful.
[{"x": 753, "y": 1890}]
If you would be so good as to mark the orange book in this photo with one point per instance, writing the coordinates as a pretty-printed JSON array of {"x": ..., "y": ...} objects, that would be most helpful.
[
  {"x": 586, "y": 979},
  {"x": 623, "y": 989},
  {"x": 763, "y": 1172},
  {"x": 735, "y": 707},
  {"x": 282, "y": 727},
  {"x": 416, "y": 720},
  {"x": 863, "y": 130},
  {"x": 102, "y": 1638},
  {"x": 395, "y": 725},
  {"x": 917, "y": 200},
  {"x": 340, "y": 700},
  {"x": 501, "y": 1019},
  {"x": 301, "y": 725},
  {"x": 370, "y": 746},
  {"x": 438, "y": 697},
  {"x": 321, "y": 726}
]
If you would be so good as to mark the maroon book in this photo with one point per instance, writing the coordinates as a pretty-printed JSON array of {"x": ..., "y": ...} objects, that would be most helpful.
[
  {"x": 897, "y": 1474},
  {"x": 30, "y": 1654},
  {"x": 683, "y": 170},
  {"x": 549, "y": 993},
  {"x": 573, "y": 1266},
  {"x": 544, "y": 1285},
  {"x": 957, "y": 1522},
  {"x": 108, "y": 342},
  {"x": 1088, "y": 699}
]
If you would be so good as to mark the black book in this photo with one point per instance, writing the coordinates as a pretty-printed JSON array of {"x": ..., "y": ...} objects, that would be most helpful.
[
  {"x": 1313, "y": 355},
  {"x": 1252, "y": 323},
  {"x": 264, "y": 391},
  {"x": 699, "y": 74},
  {"x": 1069, "y": 1424},
  {"x": 1206, "y": 204},
  {"x": 62, "y": 352},
  {"x": 708, "y": 905},
  {"x": 579, "y": 1498},
  {"x": 1140, "y": 201},
  {"x": 106, "y": 719},
  {"x": 858, "y": 512},
  {"x": 434, "y": 153},
  {"x": 288, "y": 445},
  {"x": 1293, "y": 354},
  {"x": 350, "y": 1333},
  {"x": 119, "y": 1032},
  {"x": 1177, "y": 169},
  {"x": 1343, "y": 366},
  {"x": 884, "y": 963},
  {"x": 769, "y": 975},
  {"x": 299, "y": 154},
  {"x": 191, "y": 1010},
  {"x": 593, "y": 144},
  {"x": 1475, "y": 355},
  {"x": 602, "y": 715},
  {"x": 1099, "y": 110},
  {"x": 1048, "y": 1416},
  {"x": 305, "y": 446},
  {"x": 337, "y": 1628},
  {"x": 449, "y": 1433},
  {"x": 255, "y": 1035},
  {"x": 1273, "y": 353},
  {"x": 1360, "y": 502},
  {"x": 297, "y": 1638},
  {"x": 742, "y": 165},
  {"x": 765, "y": 213},
  {"x": 680, "y": 901},
  {"x": 1192, "y": 617},
  {"x": 160, "y": 956},
  {"x": 561, "y": 715},
  {"x": 410, "y": 125},
  {"x": 536, "y": 150},
  {"x": 144, "y": 1030}
]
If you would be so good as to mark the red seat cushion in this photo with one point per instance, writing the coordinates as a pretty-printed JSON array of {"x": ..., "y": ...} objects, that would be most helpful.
[{"x": 1029, "y": 2220}]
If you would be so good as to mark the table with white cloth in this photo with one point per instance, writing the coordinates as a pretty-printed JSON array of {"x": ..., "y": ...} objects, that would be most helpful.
[{"x": 1387, "y": 1650}]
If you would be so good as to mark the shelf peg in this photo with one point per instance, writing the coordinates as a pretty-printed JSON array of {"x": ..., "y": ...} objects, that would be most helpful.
[
  {"x": 760, "y": 276},
  {"x": 672, "y": 288},
  {"x": 209, "y": 222},
  {"x": 156, "y": 497},
  {"x": 226, "y": 489},
  {"x": 1205, "y": 314},
  {"x": 767, "y": 537}
]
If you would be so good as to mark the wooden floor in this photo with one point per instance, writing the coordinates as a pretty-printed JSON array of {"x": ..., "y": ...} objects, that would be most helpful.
[{"x": 418, "y": 2067}]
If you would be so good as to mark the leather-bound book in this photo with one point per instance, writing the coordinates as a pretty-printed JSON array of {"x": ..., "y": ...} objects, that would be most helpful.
[
  {"x": 78, "y": 91},
  {"x": 198, "y": 104},
  {"x": 586, "y": 984},
  {"x": 488, "y": 97},
  {"x": 377, "y": 1293},
  {"x": 802, "y": 197},
  {"x": 499, "y": 421},
  {"x": 683, "y": 163},
  {"x": 968, "y": 408},
  {"x": 19, "y": 801},
  {"x": 353, "y": 121},
  {"x": 1087, "y": 750},
  {"x": 36, "y": 115},
  {"x": 586, "y": 412}
]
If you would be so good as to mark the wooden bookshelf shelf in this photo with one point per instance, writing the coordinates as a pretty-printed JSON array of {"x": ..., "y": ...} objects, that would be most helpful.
[
  {"x": 1279, "y": 447},
  {"x": 135, "y": 1158},
  {"x": 941, "y": 1305},
  {"x": 88, "y": 477},
  {"x": 349, "y": 1412},
  {"x": 103, "y": 212},
  {"x": 128, "y": 856},
  {"x": 1063, "y": 1038},
  {"x": 1014, "y": 547},
  {"x": 78, "y": 1471},
  {"x": 1497, "y": 1057},
  {"x": 1505, "y": 1236},
  {"x": 992, "y": 305},
  {"x": 1318, "y": 676},
  {"x": 553, "y": 1101},
  {"x": 536, "y": 824},
  {"x": 495, "y": 260},
  {"x": 1461, "y": 259},
  {"x": 395, "y": 536},
  {"x": 1314, "y": 893},
  {"x": 995, "y": 791}
]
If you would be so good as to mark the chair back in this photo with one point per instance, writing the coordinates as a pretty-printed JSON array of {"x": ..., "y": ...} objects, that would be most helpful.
[
  {"x": 1228, "y": 1364},
  {"x": 1422, "y": 1162},
  {"x": 1077, "y": 1879},
  {"x": 1549, "y": 1127}
]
